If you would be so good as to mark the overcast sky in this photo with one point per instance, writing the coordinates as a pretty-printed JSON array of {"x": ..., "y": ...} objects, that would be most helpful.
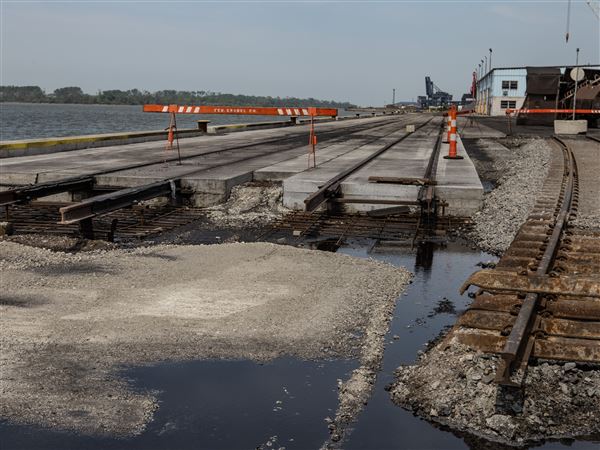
[{"x": 354, "y": 51}]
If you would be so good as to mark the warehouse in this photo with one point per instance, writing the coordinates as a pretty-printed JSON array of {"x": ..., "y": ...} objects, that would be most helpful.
[
  {"x": 514, "y": 87},
  {"x": 500, "y": 89}
]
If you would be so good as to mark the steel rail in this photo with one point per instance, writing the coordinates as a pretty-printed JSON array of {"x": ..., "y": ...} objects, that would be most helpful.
[
  {"x": 331, "y": 186},
  {"x": 105, "y": 203},
  {"x": 102, "y": 204},
  {"x": 426, "y": 193},
  {"x": 31, "y": 192},
  {"x": 25, "y": 195},
  {"x": 519, "y": 342},
  {"x": 593, "y": 138}
]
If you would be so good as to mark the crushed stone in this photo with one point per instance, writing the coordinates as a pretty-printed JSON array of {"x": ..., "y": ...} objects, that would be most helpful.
[
  {"x": 453, "y": 385},
  {"x": 523, "y": 168},
  {"x": 252, "y": 204},
  {"x": 354, "y": 393}
]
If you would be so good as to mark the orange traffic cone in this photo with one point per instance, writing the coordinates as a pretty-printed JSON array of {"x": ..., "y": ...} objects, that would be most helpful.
[{"x": 452, "y": 153}]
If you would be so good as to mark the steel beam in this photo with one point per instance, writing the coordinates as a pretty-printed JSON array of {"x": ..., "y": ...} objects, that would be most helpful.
[
  {"x": 105, "y": 203},
  {"x": 28, "y": 193}
]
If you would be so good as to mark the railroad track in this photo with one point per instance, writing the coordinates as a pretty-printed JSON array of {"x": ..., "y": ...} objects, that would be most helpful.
[
  {"x": 542, "y": 301},
  {"x": 125, "y": 224},
  {"x": 84, "y": 211},
  {"x": 339, "y": 226}
]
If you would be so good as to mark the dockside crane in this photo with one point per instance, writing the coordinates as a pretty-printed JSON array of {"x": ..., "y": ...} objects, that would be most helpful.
[{"x": 435, "y": 97}]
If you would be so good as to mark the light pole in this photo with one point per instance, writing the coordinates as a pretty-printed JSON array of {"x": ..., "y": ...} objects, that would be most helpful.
[
  {"x": 483, "y": 87},
  {"x": 485, "y": 63},
  {"x": 576, "y": 80},
  {"x": 478, "y": 94},
  {"x": 490, "y": 59}
]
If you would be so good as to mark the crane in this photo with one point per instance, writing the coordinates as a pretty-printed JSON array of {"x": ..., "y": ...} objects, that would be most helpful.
[{"x": 594, "y": 6}]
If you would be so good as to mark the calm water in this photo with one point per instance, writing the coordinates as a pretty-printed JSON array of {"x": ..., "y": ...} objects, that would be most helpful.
[
  {"x": 244, "y": 405},
  {"x": 40, "y": 120}
]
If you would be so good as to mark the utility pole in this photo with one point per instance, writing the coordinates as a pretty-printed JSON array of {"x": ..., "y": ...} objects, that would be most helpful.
[
  {"x": 576, "y": 81},
  {"x": 394, "y": 96}
]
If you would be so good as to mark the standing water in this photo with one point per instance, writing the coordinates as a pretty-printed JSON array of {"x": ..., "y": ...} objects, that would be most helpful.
[{"x": 284, "y": 403}]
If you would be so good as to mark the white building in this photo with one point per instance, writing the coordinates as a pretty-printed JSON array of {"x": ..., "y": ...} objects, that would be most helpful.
[
  {"x": 506, "y": 87},
  {"x": 500, "y": 89}
]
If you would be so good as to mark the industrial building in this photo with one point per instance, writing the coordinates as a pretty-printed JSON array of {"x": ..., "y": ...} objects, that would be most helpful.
[
  {"x": 533, "y": 87},
  {"x": 435, "y": 98},
  {"x": 499, "y": 89}
]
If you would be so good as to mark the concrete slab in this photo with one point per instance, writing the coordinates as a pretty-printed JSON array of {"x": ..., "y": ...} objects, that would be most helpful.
[
  {"x": 41, "y": 168},
  {"x": 408, "y": 159},
  {"x": 570, "y": 126},
  {"x": 457, "y": 180},
  {"x": 297, "y": 187},
  {"x": 458, "y": 183},
  {"x": 211, "y": 177},
  {"x": 332, "y": 150}
]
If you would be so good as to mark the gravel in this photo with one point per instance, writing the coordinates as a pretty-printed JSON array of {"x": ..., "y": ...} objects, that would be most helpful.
[
  {"x": 62, "y": 243},
  {"x": 355, "y": 392},
  {"x": 523, "y": 169},
  {"x": 251, "y": 204},
  {"x": 72, "y": 320},
  {"x": 453, "y": 385},
  {"x": 587, "y": 155}
]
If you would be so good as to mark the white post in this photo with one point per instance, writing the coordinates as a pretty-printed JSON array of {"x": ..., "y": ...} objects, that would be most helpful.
[{"x": 576, "y": 81}]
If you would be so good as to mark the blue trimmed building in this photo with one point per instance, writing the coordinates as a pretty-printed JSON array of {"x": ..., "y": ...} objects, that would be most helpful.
[{"x": 501, "y": 89}]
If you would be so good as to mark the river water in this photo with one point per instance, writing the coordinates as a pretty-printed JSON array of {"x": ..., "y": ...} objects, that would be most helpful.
[{"x": 43, "y": 120}]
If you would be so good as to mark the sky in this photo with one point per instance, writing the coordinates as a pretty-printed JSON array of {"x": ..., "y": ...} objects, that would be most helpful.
[{"x": 355, "y": 51}]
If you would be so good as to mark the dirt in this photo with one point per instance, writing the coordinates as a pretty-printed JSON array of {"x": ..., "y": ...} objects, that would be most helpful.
[
  {"x": 453, "y": 385},
  {"x": 60, "y": 243},
  {"x": 72, "y": 321}
]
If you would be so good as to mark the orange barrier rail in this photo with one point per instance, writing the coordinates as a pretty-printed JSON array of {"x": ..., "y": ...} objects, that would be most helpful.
[
  {"x": 244, "y": 110},
  {"x": 552, "y": 111},
  {"x": 458, "y": 113}
]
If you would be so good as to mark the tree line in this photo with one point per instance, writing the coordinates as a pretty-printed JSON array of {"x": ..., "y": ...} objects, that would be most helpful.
[{"x": 74, "y": 94}]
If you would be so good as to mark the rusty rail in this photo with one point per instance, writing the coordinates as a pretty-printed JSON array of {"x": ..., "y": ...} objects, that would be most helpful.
[{"x": 541, "y": 300}]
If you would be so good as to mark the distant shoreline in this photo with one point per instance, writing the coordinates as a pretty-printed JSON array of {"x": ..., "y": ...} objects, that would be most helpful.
[{"x": 134, "y": 97}]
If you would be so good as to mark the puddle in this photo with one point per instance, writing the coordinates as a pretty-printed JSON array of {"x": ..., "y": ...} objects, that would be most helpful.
[
  {"x": 418, "y": 318},
  {"x": 219, "y": 405},
  {"x": 241, "y": 404}
]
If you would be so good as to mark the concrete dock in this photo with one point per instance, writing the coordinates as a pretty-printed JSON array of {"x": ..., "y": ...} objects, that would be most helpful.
[
  {"x": 457, "y": 180},
  {"x": 213, "y": 164}
]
